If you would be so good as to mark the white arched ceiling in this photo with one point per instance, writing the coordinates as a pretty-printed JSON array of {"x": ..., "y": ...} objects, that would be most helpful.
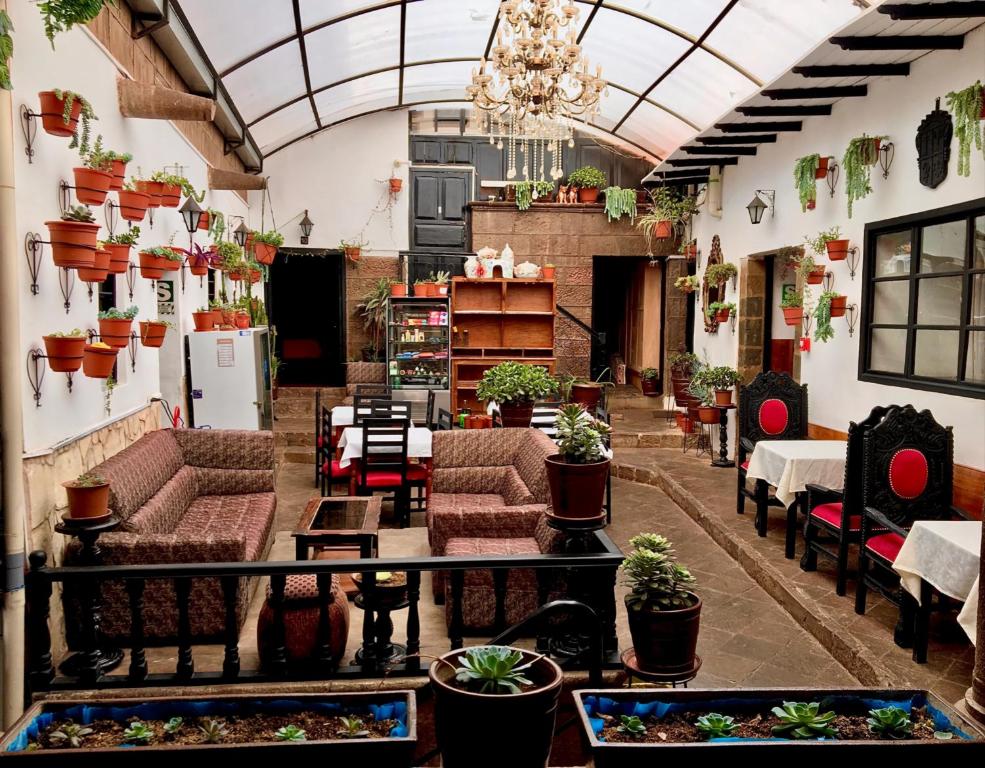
[{"x": 294, "y": 67}]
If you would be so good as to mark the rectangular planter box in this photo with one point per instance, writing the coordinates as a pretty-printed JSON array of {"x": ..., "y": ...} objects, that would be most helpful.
[
  {"x": 396, "y": 750},
  {"x": 726, "y": 700}
]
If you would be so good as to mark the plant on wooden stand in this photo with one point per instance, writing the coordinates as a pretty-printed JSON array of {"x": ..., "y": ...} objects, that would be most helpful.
[
  {"x": 88, "y": 496},
  {"x": 577, "y": 473},
  {"x": 723, "y": 379},
  {"x": 968, "y": 108},
  {"x": 514, "y": 387}
]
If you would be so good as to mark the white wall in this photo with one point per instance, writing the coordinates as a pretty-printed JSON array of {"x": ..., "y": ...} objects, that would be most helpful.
[
  {"x": 340, "y": 177},
  {"x": 79, "y": 63},
  {"x": 894, "y": 107}
]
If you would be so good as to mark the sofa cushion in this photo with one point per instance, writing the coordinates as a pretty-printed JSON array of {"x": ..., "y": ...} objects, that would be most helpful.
[
  {"x": 139, "y": 471},
  {"x": 227, "y": 448},
  {"x": 529, "y": 462},
  {"x": 163, "y": 511},
  {"x": 250, "y": 515},
  {"x": 475, "y": 447},
  {"x": 221, "y": 482},
  {"x": 513, "y": 490},
  {"x": 470, "y": 480}
]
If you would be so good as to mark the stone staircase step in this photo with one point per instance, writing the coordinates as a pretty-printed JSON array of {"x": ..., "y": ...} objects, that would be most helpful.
[
  {"x": 299, "y": 402},
  {"x": 294, "y": 432}
]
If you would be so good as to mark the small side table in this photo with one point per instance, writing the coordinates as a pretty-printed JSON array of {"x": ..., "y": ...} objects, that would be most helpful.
[
  {"x": 633, "y": 669},
  {"x": 380, "y": 600},
  {"x": 723, "y": 459},
  {"x": 97, "y": 659}
]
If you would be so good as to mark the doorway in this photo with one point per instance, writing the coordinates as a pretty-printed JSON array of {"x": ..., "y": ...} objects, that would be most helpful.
[
  {"x": 307, "y": 301},
  {"x": 439, "y": 201}
]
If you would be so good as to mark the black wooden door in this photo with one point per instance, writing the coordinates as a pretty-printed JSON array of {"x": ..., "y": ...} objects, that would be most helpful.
[{"x": 439, "y": 207}]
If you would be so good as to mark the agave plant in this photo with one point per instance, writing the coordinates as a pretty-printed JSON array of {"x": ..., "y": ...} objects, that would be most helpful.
[
  {"x": 353, "y": 728},
  {"x": 631, "y": 725},
  {"x": 890, "y": 722},
  {"x": 213, "y": 730},
  {"x": 69, "y": 733},
  {"x": 716, "y": 726},
  {"x": 800, "y": 720},
  {"x": 290, "y": 733},
  {"x": 495, "y": 667}
]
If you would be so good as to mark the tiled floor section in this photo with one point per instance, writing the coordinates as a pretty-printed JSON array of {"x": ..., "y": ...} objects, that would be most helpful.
[{"x": 709, "y": 493}]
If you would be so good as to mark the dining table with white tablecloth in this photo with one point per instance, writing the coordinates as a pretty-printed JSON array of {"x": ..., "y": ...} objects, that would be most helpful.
[
  {"x": 418, "y": 447},
  {"x": 344, "y": 415}
]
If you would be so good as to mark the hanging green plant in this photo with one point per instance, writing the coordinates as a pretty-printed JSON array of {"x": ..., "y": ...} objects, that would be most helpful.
[
  {"x": 967, "y": 108},
  {"x": 62, "y": 15},
  {"x": 822, "y": 313},
  {"x": 6, "y": 50},
  {"x": 805, "y": 179},
  {"x": 860, "y": 156},
  {"x": 620, "y": 202},
  {"x": 528, "y": 191}
]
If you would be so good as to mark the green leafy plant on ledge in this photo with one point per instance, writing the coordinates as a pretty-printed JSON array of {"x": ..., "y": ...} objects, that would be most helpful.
[
  {"x": 966, "y": 106},
  {"x": 859, "y": 158},
  {"x": 512, "y": 382},
  {"x": 620, "y": 202},
  {"x": 805, "y": 179},
  {"x": 528, "y": 191},
  {"x": 587, "y": 177}
]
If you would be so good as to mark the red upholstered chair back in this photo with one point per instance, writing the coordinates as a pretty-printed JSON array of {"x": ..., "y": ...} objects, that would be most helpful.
[
  {"x": 853, "y": 457},
  {"x": 773, "y": 407},
  {"x": 908, "y": 467}
]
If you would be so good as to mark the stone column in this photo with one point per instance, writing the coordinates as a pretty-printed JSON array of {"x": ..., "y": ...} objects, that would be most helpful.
[
  {"x": 975, "y": 696},
  {"x": 675, "y": 317},
  {"x": 751, "y": 322}
]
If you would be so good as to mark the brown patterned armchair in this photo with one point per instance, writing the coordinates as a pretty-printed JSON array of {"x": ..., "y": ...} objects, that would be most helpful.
[
  {"x": 184, "y": 496},
  {"x": 357, "y": 373}
]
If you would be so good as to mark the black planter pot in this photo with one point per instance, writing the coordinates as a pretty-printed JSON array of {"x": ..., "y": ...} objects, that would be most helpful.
[
  {"x": 516, "y": 414},
  {"x": 518, "y": 728},
  {"x": 665, "y": 641},
  {"x": 577, "y": 490}
]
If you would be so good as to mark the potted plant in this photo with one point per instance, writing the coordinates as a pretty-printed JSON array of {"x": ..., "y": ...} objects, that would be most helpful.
[
  {"x": 861, "y": 153},
  {"x": 115, "y": 326},
  {"x": 133, "y": 204},
  {"x": 170, "y": 188},
  {"x": 723, "y": 379},
  {"x": 507, "y": 690},
  {"x": 94, "y": 177},
  {"x": 968, "y": 108},
  {"x": 525, "y": 192},
  {"x": 670, "y": 210},
  {"x": 441, "y": 278},
  {"x": 793, "y": 309},
  {"x": 118, "y": 166},
  {"x": 547, "y": 271},
  {"x": 805, "y": 176},
  {"x": 154, "y": 262},
  {"x": 664, "y": 614},
  {"x": 648, "y": 376},
  {"x": 688, "y": 249},
  {"x": 242, "y": 319},
  {"x": 61, "y": 113},
  {"x": 373, "y": 310},
  {"x": 88, "y": 496},
  {"x": 588, "y": 180},
  {"x": 98, "y": 360},
  {"x": 620, "y": 202},
  {"x": 701, "y": 389},
  {"x": 398, "y": 288},
  {"x": 230, "y": 258},
  {"x": 99, "y": 269},
  {"x": 829, "y": 304},
  {"x": 352, "y": 250},
  {"x": 587, "y": 392},
  {"x": 64, "y": 350},
  {"x": 687, "y": 283},
  {"x": 152, "y": 332},
  {"x": 829, "y": 242},
  {"x": 204, "y": 319},
  {"x": 119, "y": 249},
  {"x": 576, "y": 474},
  {"x": 153, "y": 189},
  {"x": 199, "y": 260},
  {"x": 421, "y": 287},
  {"x": 810, "y": 271},
  {"x": 720, "y": 310},
  {"x": 265, "y": 245},
  {"x": 683, "y": 364},
  {"x": 717, "y": 274},
  {"x": 514, "y": 387}
]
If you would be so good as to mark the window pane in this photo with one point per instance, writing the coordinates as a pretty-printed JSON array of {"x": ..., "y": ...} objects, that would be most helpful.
[
  {"x": 980, "y": 242},
  {"x": 975, "y": 361},
  {"x": 937, "y": 354},
  {"x": 942, "y": 248},
  {"x": 893, "y": 254},
  {"x": 978, "y": 300},
  {"x": 887, "y": 352},
  {"x": 892, "y": 302},
  {"x": 939, "y": 300}
]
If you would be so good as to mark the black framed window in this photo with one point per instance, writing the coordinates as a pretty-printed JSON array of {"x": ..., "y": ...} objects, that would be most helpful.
[{"x": 923, "y": 306}]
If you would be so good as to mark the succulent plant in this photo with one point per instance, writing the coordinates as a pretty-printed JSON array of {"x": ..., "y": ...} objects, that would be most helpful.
[
  {"x": 290, "y": 733},
  {"x": 172, "y": 726},
  {"x": 354, "y": 728},
  {"x": 79, "y": 213},
  {"x": 495, "y": 666},
  {"x": 138, "y": 733},
  {"x": 800, "y": 720},
  {"x": 580, "y": 438},
  {"x": 70, "y": 734},
  {"x": 715, "y": 726},
  {"x": 656, "y": 579},
  {"x": 890, "y": 722},
  {"x": 213, "y": 730},
  {"x": 631, "y": 725}
]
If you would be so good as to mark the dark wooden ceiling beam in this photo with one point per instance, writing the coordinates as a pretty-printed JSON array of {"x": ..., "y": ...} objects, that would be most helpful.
[
  {"x": 702, "y": 162},
  {"x": 829, "y": 92},
  {"x": 679, "y": 181},
  {"x": 784, "y": 125},
  {"x": 953, "y": 10},
  {"x": 756, "y": 138},
  {"x": 900, "y": 42},
  {"x": 854, "y": 70},
  {"x": 682, "y": 174},
  {"x": 793, "y": 110},
  {"x": 747, "y": 151}
]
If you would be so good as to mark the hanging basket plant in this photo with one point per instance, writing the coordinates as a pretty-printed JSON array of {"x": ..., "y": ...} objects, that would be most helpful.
[
  {"x": 352, "y": 250},
  {"x": 805, "y": 179},
  {"x": 861, "y": 154},
  {"x": 968, "y": 109},
  {"x": 265, "y": 245},
  {"x": 687, "y": 283}
]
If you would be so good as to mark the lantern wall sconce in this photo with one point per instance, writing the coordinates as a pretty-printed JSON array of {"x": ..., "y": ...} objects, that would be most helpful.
[
  {"x": 241, "y": 233},
  {"x": 762, "y": 200},
  {"x": 306, "y": 225}
]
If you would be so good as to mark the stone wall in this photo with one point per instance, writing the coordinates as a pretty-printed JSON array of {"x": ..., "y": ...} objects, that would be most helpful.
[
  {"x": 569, "y": 236},
  {"x": 360, "y": 278}
]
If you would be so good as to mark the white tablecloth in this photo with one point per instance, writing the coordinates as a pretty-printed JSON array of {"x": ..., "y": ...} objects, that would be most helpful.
[
  {"x": 343, "y": 415},
  {"x": 789, "y": 465},
  {"x": 351, "y": 443},
  {"x": 945, "y": 554}
]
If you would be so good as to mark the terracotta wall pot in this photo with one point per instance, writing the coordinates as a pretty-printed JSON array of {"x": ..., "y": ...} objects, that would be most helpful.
[
  {"x": 119, "y": 258},
  {"x": 870, "y": 153},
  {"x": 723, "y": 315},
  {"x": 153, "y": 267},
  {"x": 228, "y": 317},
  {"x": 650, "y": 387},
  {"x": 664, "y": 641},
  {"x": 516, "y": 414},
  {"x": 588, "y": 194},
  {"x": 203, "y": 221},
  {"x": 254, "y": 275},
  {"x": 398, "y": 289},
  {"x": 793, "y": 315},
  {"x": 838, "y": 306},
  {"x": 588, "y": 394},
  {"x": 116, "y": 333},
  {"x": 353, "y": 254},
  {"x": 248, "y": 245},
  {"x": 264, "y": 253},
  {"x": 837, "y": 249},
  {"x": 234, "y": 275},
  {"x": 153, "y": 189},
  {"x": 170, "y": 195},
  {"x": 822, "y": 168},
  {"x": 98, "y": 362},
  {"x": 119, "y": 173},
  {"x": 217, "y": 317},
  {"x": 723, "y": 397},
  {"x": 708, "y": 414},
  {"x": 73, "y": 243},
  {"x": 420, "y": 289},
  {"x": 88, "y": 502},
  {"x": 816, "y": 276},
  {"x": 199, "y": 266},
  {"x": 64, "y": 352},
  {"x": 663, "y": 230},
  {"x": 133, "y": 205},
  {"x": 577, "y": 490},
  {"x": 527, "y": 717},
  {"x": 99, "y": 269},
  {"x": 396, "y": 185},
  {"x": 547, "y": 272},
  {"x": 152, "y": 334},
  {"x": 204, "y": 321},
  {"x": 52, "y": 114},
  {"x": 242, "y": 320},
  {"x": 811, "y": 204},
  {"x": 91, "y": 187}
]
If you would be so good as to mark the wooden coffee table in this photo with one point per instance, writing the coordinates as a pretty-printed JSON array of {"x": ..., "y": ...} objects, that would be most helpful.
[{"x": 339, "y": 528}]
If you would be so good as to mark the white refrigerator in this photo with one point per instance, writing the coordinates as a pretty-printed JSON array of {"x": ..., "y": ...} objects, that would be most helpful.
[{"x": 229, "y": 379}]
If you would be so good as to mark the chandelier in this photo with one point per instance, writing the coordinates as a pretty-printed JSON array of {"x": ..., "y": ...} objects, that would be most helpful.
[{"x": 539, "y": 82}]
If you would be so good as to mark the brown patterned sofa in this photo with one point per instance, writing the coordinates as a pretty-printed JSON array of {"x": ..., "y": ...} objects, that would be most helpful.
[
  {"x": 362, "y": 373},
  {"x": 489, "y": 485},
  {"x": 184, "y": 496}
]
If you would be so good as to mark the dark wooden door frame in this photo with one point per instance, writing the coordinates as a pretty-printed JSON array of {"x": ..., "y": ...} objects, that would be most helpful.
[{"x": 412, "y": 205}]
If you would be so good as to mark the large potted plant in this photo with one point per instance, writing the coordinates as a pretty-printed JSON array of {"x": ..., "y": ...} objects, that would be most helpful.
[
  {"x": 373, "y": 310},
  {"x": 576, "y": 474},
  {"x": 648, "y": 378},
  {"x": 65, "y": 350},
  {"x": 514, "y": 387},
  {"x": 829, "y": 242},
  {"x": 115, "y": 326},
  {"x": 88, "y": 496},
  {"x": 588, "y": 180},
  {"x": 73, "y": 238},
  {"x": 664, "y": 614},
  {"x": 119, "y": 249},
  {"x": 501, "y": 690},
  {"x": 265, "y": 245}
]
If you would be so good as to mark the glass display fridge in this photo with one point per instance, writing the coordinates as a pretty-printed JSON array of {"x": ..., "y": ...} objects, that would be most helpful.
[{"x": 417, "y": 351}]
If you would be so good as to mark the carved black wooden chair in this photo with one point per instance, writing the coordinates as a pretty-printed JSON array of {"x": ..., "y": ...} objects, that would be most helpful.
[
  {"x": 837, "y": 515},
  {"x": 330, "y": 473},
  {"x": 771, "y": 407},
  {"x": 907, "y": 475}
]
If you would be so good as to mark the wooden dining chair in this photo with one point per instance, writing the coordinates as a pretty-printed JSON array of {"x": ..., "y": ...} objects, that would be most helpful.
[
  {"x": 429, "y": 413},
  {"x": 374, "y": 388},
  {"x": 389, "y": 409},
  {"x": 331, "y": 474},
  {"x": 362, "y": 404},
  {"x": 384, "y": 465},
  {"x": 444, "y": 421}
]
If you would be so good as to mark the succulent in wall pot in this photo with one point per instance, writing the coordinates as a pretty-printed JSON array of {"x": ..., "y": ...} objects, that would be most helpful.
[
  {"x": 153, "y": 332},
  {"x": 99, "y": 269},
  {"x": 153, "y": 189},
  {"x": 154, "y": 262},
  {"x": 352, "y": 250},
  {"x": 793, "y": 309},
  {"x": 65, "y": 350},
  {"x": 133, "y": 203},
  {"x": 119, "y": 249},
  {"x": 73, "y": 238},
  {"x": 88, "y": 496},
  {"x": 829, "y": 304},
  {"x": 61, "y": 113},
  {"x": 577, "y": 473},
  {"x": 115, "y": 326},
  {"x": 94, "y": 178},
  {"x": 829, "y": 242},
  {"x": 968, "y": 108},
  {"x": 860, "y": 155}
]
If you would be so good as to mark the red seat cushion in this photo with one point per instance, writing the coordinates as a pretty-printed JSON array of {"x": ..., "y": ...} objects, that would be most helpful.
[
  {"x": 380, "y": 479},
  {"x": 773, "y": 416},
  {"x": 908, "y": 473},
  {"x": 831, "y": 514},
  {"x": 336, "y": 470},
  {"x": 745, "y": 464},
  {"x": 886, "y": 545}
]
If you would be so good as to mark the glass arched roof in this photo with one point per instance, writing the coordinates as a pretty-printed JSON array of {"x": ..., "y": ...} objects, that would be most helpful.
[{"x": 294, "y": 67}]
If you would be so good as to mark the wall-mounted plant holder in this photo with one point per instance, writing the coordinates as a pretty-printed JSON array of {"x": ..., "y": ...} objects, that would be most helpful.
[
  {"x": 732, "y": 320},
  {"x": 131, "y": 278},
  {"x": 33, "y": 249},
  {"x": 132, "y": 349},
  {"x": 829, "y": 280},
  {"x": 111, "y": 215},
  {"x": 37, "y": 366},
  {"x": 29, "y": 126},
  {"x": 831, "y": 177},
  {"x": 887, "y": 152},
  {"x": 808, "y": 323},
  {"x": 851, "y": 317},
  {"x": 852, "y": 261}
]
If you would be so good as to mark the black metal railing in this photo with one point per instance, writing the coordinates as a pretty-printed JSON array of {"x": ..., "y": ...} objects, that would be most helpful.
[
  {"x": 599, "y": 358},
  {"x": 586, "y": 578}
]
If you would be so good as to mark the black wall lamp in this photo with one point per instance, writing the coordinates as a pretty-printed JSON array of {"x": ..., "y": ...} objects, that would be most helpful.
[
  {"x": 763, "y": 199},
  {"x": 306, "y": 225},
  {"x": 240, "y": 234}
]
